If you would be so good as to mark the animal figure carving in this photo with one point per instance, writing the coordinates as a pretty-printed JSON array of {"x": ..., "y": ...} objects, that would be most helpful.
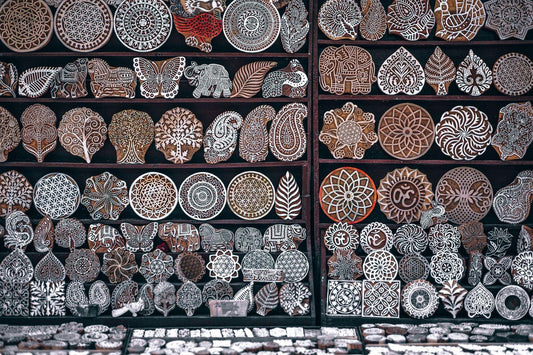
[
  {"x": 459, "y": 20},
  {"x": 290, "y": 81},
  {"x": 110, "y": 81},
  {"x": 209, "y": 79},
  {"x": 199, "y": 21},
  {"x": 69, "y": 82},
  {"x": 281, "y": 237},
  {"x": 346, "y": 69}
]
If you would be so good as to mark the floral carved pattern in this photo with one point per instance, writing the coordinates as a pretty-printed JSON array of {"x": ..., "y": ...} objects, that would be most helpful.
[
  {"x": 105, "y": 196},
  {"x": 403, "y": 194},
  {"x": 411, "y": 19},
  {"x": 348, "y": 131},
  {"x": 347, "y": 195},
  {"x": 514, "y": 132},
  {"x": 406, "y": 131}
]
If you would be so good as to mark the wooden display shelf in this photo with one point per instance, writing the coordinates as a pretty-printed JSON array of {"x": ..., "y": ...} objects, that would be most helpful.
[
  {"x": 151, "y": 166},
  {"x": 429, "y": 98},
  {"x": 158, "y": 54},
  {"x": 174, "y": 321},
  {"x": 477, "y": 161},
  {"x": 400, "y": 42},
  {"x": 205, "y": 109},
  {"x": 376, "y": 162},
  {"x": 141, "y": 100}
]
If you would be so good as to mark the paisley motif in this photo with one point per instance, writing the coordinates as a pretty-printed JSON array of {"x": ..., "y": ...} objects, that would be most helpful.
[
  {"x": 374, "y": 22},
  {"x": 287, "y": 138},
  {"x": 253, "y": 140},
  {"x": 220, "y": 137},
  {"x": 43, "y": 238},
  {"x": 401, "y": 72}
]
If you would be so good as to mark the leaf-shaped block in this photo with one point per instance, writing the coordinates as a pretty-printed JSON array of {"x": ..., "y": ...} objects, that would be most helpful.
[
  {"x": 49, "y": 269},
  {"x": 401, "y": 72},
  {"x": 439, "y": 71},
  {"x": 267, "y": 299},
  {"x": 473, "y": 76},
  {"x": 189, "y": 297},
  {"x": 288, "y": 203},
  {"x": 35, "y": 82},
  {"x": 452, "y": 296},
  {"x": 8, "y": 79},
  {"x": 39, "y": 132},
  {"x": 246, "y": 294},
  {"x": 253, "y": 139},
  {"x": 294, "y": 26},
  {"x": 82, "y": 132},
  {"x": 249, "y": 78}
]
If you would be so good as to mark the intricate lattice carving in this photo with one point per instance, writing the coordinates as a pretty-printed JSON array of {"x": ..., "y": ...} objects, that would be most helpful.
[
  {"x": 479, "y": 302},
  {"x": 56, "y": 195},
  {"x": 515, "y": 311},
  {"x": 15, "y": 193},
  {"x": 178, "y": 135},
  {"x": 83, "y": 26},
  {"x": 39, "y": 133},
  {"x": 374, "y": 23},
  {"x": 419, "y": 299},
  {"x": 294, "y": 26},
  {"x": 108, "y": 81},
  {"x": 220, "y": 138},
  {"x": 443, "y": 237},
  {"x": 406, "y": 131},
  {"x": 105, "y": 196},
  {"x": 202, "y": 196},
  {"x": 446, "y": 266},
  {"x": 251, "y": 25},
  {"x": 9, "y": 133},
  {"x": 82, "y": 265},
  {"x": 497, "y": 270},
  {"x": 413, "y": 267},
  {"x": 153, "y": 196},
  {"x": 509, "y": 18},
  {"x": 294, "y": 265},
  {"x": 224, "y": 265},
  {"x": 381, "y": 299},
  {"x": 401, "y": 72},
  {"x": 25, "y": 25},
  {"x": 513, "y": 74},
  {"x": 345, "y": 265},
  {"x": 410, "y": 239},
  {"x": 131, "y": 132},
  {"x": 119, "y": 265},
  {"x": 250, "y": 195},
  {"x": 520, "y": 269},
  {"x": 380, "y": 265},
  {"x": 156, "y": 266},
  {"x": 47, "y": 298}
]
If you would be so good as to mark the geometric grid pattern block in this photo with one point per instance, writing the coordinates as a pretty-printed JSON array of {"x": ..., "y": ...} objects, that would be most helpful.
[
  {"x": 381, "y": 299},
  {"x": 47, "y": 298},
  {"x": 344, "y": 298},
  {"x": 14, "y": 299}
]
